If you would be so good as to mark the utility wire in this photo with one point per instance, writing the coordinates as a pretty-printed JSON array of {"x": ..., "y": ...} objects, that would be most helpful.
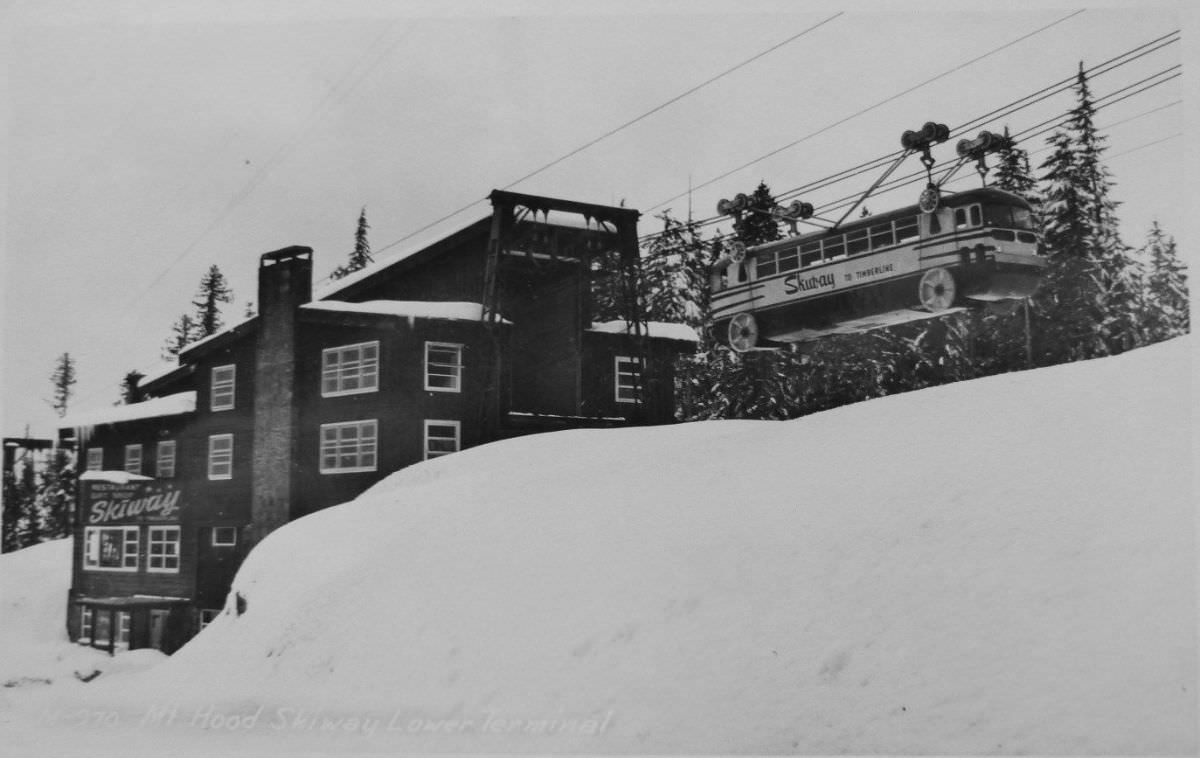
[
  {"x": 870, "y": 108},
  {"x": 1026, "y": 134},
  {"x": 1013, "y": 107},
  {"x": 340, "y": 90},
  {"x": 623, "y": 126}
]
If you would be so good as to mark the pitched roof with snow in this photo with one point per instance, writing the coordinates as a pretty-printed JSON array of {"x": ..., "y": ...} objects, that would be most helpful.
[
  {"x": 452, "y": 311},
  {"x": 418, "y": 244},
  {"x": 655, "y": 329},
  {"x": 170, "y": 405}
]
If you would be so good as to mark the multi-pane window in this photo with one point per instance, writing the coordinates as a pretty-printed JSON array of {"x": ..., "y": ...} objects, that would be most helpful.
[
  {"x": 164, "y": 459},
  {"x": 442, "y": 438},
  {"x": 222, "y": 389},
  {"x": 85, "y": 623},
  {"x": 124, "y": 621},
  {"x": 348, "y": 447},
  {"x": 350, "y": 369},
  {"x": 443, "y": 366},
  {"x": 220, "y": 456},
  {"x": 133, "y": 459},
  {"x": 95, "y": 459},
  {"x": 163, "y": 549},
  {"x": 208, "y": 615},
  {"x": 224, "y": 536},
  {"x": 906, "y": 229},
  {"x": 628, "y": 375},
  {"x": 110, "y": 548}
]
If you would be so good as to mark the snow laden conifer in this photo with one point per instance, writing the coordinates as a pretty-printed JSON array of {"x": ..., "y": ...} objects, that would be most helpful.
[
  {"x": 1166, "y": 292},
  {"x": 18, "y": 520},
  {"x": 360, "y": 256},
  {"x": 1013, "y": 172},
  {"x": 676, "y": 265},
  {"x": 1090, "y": 304},
  {"x": 55, "y": 499}
]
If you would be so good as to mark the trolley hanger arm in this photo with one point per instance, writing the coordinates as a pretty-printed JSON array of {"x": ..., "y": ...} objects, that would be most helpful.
[{"x": 895, "y": 164}]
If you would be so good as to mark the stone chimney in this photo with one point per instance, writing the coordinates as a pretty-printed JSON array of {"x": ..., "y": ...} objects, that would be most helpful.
[{"x": 284, "y": 284}]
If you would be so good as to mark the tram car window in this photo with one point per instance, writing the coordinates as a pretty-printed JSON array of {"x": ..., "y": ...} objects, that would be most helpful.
[
  {"x": 881, "y": 236},
  {"x": 856, "y": 242},
  {"x": 766, "y": 265},
  {"x": 789, "y": 259},
  {"x": 810, "y": 253}
]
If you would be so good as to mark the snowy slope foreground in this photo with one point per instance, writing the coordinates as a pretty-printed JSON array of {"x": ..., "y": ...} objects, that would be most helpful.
[
  {"x": 999, "y": 566},
  {"x": 34, "y": 649}
]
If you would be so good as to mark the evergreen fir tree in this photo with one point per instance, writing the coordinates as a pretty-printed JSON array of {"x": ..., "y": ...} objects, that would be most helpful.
[
  {"x": 130, "y": 392},
  {"x": 183, "y": 333},
  {"x": 675, "y": 272},
  {"x": 55, "y": 499},
  {"x": 63, "y": 380},
  {"x": 360, "y": 257},
  {"x": 20, "y": 525},
  {"x": 1013, "y": 173},
  {"x": 756, "y": 224},
  {"x": 1166, "y": 295},
  {"x": 213, "y": 291},
  {"x": 1091, "y": 302}
]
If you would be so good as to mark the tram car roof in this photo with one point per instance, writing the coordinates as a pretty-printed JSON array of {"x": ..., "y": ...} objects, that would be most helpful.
[{"x": 954, "y": 200}]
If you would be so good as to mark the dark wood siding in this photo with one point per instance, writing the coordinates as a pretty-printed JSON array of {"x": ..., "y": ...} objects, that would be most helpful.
[{"x": 400, "y": 405}]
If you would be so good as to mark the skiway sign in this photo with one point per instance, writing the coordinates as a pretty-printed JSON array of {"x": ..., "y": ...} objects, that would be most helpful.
[{"x": 130, "y": 502}]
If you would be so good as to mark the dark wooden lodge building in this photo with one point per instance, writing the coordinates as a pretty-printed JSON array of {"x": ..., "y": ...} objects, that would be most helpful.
[{"x": 485, "y": 334}]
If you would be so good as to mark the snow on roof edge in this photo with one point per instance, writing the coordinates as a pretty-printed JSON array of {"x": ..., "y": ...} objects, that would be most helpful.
[
  {"x": 116, "y": 477},
  {"x": 654, "y": 329},
  {"x": 454, "y": 310},
  {"x": 168, "y": 405},
  {"x": 434, "y": 235},
  {"x": 224, "y": 330}
]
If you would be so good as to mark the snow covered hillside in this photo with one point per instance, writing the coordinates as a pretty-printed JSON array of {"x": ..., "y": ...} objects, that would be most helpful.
[
  {"x": 34, "y": 649},
  {"x": 998, "y": 566}
]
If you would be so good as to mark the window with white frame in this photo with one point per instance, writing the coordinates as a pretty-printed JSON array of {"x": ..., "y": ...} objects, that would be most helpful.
[
  {"x": 124, "y": 621},
  {"x": 208, "y": 615},
  {"x": 110, "y": 548},
  {"x": 350, "y": 369},
  {"x": 164, "y": 459},
  {"x": 442, "y": 437},
  {"x": 349, "y": 447},
  {"x": 95, "y": 459},
  {"x": 221, "y": 392},
  {"x": 443, "y": 366},
  {"x": 133, "y": 459},
  {"x": 628, "y": 376},
  {"x": 220, "y": 456},
  {"x": 162, "y": 549},
  {"x": 85, "y": 623},
  {"x": 224, "y": 536}
]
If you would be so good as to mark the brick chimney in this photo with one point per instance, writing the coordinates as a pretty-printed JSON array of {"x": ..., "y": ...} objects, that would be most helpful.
[{"x": 284, "y": 284}]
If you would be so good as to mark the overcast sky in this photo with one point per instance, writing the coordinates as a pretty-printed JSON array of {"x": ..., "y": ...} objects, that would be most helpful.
[{"x": 148, "y": 141}]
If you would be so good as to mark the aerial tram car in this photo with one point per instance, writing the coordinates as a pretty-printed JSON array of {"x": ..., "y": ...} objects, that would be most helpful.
[{"x": 945, "y": 252}]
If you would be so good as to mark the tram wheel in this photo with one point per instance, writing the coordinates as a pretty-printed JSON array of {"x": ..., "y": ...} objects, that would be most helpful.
[
  {"x": 936, "y": 290},
  {"x": 743, "y": 332}
]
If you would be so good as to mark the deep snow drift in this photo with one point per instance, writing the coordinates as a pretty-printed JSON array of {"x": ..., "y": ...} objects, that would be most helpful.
[
  {"x": 34, "y": 649},
  {"x": 998, "y": 566}
]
